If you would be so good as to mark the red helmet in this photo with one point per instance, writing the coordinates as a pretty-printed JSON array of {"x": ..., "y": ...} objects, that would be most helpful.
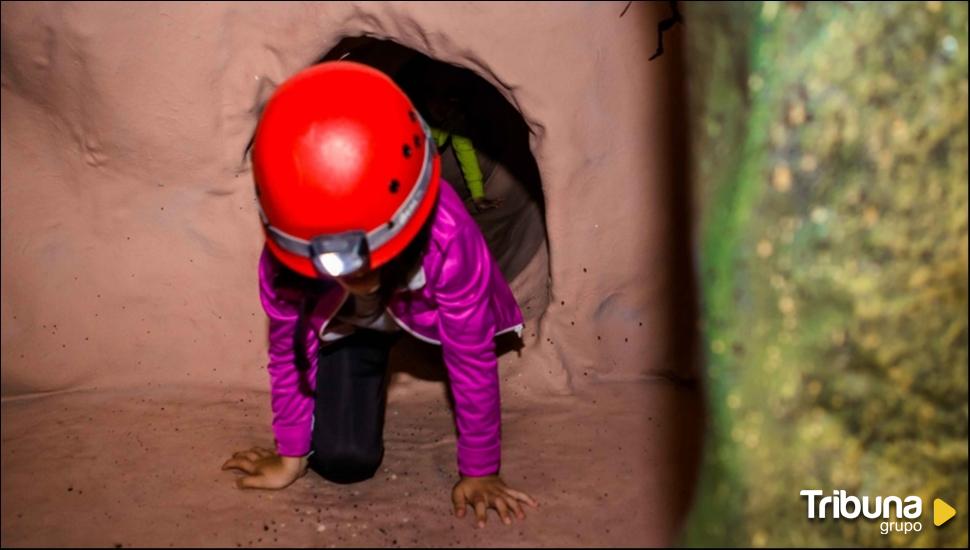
[{"x": 346, "y": 171}]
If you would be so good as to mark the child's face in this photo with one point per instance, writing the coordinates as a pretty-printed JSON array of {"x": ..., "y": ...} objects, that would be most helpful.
[{"x": 361, "y": 284}]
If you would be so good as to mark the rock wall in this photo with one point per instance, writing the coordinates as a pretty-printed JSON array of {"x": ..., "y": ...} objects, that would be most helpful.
[{"x": 130, "y": 236}]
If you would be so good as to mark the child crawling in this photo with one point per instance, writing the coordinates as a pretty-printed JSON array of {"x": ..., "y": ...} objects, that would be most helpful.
[{"x": 363, "y": 240}]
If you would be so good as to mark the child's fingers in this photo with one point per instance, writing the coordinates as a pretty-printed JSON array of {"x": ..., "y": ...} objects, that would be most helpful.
[
  {"x": 480, "y": 509},
  {"x": 458, "y": 499},
  {"x": 522, "y": 496},
  {"x": 516, "y": 507},
  {"x": 503, "y": 510},
  {"x": 252, "y": 482},
  {"x": 240, "y": 464},
  {"x": 248, "y": 455}
]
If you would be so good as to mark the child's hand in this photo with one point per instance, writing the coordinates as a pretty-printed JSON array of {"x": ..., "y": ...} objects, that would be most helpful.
[
  {"x": 266, "y": 469},
  {"x": 487, "y": 492}
]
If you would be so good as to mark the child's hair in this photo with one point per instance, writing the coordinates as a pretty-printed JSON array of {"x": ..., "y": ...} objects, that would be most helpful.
[{"x": 395, "y": 274}]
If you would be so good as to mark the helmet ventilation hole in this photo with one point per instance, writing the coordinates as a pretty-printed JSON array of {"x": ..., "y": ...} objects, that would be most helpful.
[
  {"x": 395, "y": 185},
  {"x": 407, "y": 151}
]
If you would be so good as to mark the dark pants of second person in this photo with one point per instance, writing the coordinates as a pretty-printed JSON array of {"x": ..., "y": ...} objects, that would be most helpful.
[{"x": 348, "y": 430}]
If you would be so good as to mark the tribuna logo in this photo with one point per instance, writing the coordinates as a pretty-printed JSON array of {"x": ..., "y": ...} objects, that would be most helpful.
[{"x": 840, "y": 505}]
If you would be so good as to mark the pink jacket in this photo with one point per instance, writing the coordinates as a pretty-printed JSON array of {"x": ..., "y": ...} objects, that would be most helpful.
[{"x": 462, "y": 305}]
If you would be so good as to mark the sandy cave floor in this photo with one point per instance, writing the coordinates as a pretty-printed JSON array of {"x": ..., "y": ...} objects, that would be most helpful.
[{"x": 106, "y": 468}]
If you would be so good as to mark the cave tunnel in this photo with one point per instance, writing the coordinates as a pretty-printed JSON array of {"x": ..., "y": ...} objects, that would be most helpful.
[
  {"x": 457, "y": 98},
  {"x": 513, "y": 223},
  {"x": 133, "y": 330}
]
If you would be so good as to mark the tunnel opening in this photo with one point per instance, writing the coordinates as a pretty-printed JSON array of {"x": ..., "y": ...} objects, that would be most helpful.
[
  {"x": 479, "y": 133},
  {"x": 458, "y": 102}
]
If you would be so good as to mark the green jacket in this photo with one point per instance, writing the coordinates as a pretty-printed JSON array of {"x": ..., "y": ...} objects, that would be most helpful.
[{"x": 467, "y": 159}]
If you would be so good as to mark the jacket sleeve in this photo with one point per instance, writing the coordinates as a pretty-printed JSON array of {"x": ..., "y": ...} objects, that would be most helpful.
[
  {"x": 292, "y": 366},
  {"x": 467, "y": 331}
]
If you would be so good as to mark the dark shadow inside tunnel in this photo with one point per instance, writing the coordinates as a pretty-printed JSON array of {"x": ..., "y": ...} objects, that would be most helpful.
[
  {"x": 460, "y": 104},
  {"x": 468, "y": 112}
]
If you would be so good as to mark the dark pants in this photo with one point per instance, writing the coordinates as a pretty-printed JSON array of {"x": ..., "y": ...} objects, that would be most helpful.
[{"x": 348, "y": 430}]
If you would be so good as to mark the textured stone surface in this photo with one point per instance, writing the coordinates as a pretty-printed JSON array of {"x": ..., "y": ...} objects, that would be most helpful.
[
  {"x": 130, "y": 240},
  {"x": 142, "y": 469}
]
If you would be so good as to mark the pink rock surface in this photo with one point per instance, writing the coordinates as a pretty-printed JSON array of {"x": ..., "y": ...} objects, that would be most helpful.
[
  {"x": 130, "y": 240},
  {"x": 142, "y": 469}
]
